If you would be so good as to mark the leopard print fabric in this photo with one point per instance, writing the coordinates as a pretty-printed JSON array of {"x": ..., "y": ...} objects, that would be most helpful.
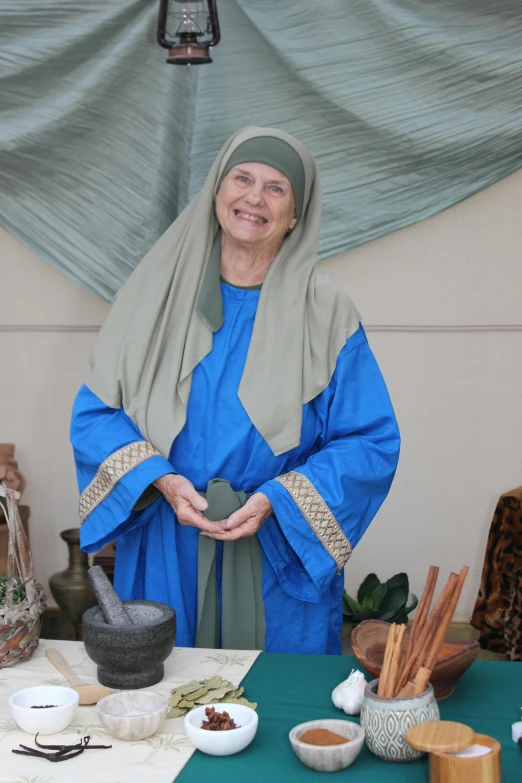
[{"x": 498, "y": 609}]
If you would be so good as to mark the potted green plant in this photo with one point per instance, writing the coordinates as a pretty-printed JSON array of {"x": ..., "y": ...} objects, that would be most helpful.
[{"x": 378, "y": 600}]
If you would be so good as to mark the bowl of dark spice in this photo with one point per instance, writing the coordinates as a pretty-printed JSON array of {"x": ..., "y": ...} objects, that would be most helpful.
[
  {"x": 221, "y": 729},
  {"x": 44, "y": 709},
  {"x": 327, "y": 745}
]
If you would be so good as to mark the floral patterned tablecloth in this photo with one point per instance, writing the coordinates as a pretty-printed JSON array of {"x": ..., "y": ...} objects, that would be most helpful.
[{"x": 158, "y": 759}]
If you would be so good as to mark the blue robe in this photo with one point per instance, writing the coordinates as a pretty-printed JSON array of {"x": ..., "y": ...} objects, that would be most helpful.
[{"x": 349, "y": 450}]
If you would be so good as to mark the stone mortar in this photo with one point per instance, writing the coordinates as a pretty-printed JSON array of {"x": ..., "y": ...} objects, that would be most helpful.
[{"x": 131, "y": 656}]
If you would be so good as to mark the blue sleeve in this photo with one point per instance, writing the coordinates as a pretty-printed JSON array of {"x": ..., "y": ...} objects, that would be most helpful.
[
  {"x": 97, "y": 432},
  {"x": 348, "y": 476}
]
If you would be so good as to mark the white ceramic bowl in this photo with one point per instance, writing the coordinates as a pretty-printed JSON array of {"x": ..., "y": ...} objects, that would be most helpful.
[
  {"x": 132, "y": 715},
  {"x": 50, "y": 719},
  {"x": 328, "y": 758},
  {"x": 222, "y": 743}
]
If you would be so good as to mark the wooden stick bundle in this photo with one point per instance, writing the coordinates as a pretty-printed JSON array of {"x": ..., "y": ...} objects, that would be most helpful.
[{"x": 407, "y": 673}]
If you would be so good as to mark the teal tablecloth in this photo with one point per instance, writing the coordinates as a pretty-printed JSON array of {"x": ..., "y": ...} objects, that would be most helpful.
[{"x": 291, "y": 689}]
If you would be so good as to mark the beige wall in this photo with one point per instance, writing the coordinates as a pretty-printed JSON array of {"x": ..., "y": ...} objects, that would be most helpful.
[
  {"x": 442, "y": 306},
  {"x": 47, "y": 328}
]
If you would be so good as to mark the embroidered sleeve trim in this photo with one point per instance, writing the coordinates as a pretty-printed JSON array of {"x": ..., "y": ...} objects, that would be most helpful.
[
  {"x": 318, "y": 515},
  {"x": 111, "y": 471}
]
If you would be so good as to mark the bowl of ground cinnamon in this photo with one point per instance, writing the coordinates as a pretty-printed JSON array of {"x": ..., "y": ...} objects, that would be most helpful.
[{"x": 327, "y": 745}]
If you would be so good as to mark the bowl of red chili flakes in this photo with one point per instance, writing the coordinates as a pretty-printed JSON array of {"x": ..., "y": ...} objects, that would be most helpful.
[{"x": 221, "y": 729}]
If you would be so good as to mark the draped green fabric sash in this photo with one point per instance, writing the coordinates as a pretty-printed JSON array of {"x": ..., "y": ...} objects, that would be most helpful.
[{"x": 242, "y": 609}]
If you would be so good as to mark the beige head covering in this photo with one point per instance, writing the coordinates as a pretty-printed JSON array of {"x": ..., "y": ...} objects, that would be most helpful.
[{"x": 155, "y": 335}]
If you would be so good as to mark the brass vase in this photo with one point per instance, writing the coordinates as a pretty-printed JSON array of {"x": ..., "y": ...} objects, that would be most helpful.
[{"x": 71, "y": 588}]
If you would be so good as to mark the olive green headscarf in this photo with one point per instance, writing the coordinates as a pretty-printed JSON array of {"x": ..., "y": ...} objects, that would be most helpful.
[{"x": 158, "y": 329}]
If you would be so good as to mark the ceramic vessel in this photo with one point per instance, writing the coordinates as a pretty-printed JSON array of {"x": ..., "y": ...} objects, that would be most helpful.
[
  {"x": 71, "y": 588},
  {"x": 131, "y": 656},
  {"x": 46, "y": 719},
  {"x": 328, "y": 758},
  {"x": 222, "y": 743},
  {"x": 132, "y": 715},
  {"x": 369, "y": 643},
  {"x": 385, "y": 722}
]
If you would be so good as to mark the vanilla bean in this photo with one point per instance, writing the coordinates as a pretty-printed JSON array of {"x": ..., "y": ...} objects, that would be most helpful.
[
  {"x": 97, "y": 747},
  {"x": 65, "y": 756},
  {"x": 87, "y": 746},
  {"x": 57, "y": 756},
  {"x": 60, "y": 752},
  {"x": 62, "y": 748},
  {"x": 34, "y": 752},
  {"x": 84, "y": 743}
]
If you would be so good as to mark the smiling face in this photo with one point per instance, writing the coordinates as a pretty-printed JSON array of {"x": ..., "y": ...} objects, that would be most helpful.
[{"x": 255, "y": 206}]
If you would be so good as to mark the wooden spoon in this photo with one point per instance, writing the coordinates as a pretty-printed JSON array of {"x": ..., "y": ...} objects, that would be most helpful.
[{"x": 89, "y": 694}]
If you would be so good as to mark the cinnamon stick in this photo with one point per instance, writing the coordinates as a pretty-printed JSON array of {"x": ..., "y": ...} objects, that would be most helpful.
[
  {"x": 424, "y": 608},
  {"x": 381, "y": 688},
  {"x": 442, "y": 629},
  {"x": 421, "y": 680},
  {"x": 407, "y": 691},
  {"x": 424, "y": 642},
  {"x": 393, "y": 673}
]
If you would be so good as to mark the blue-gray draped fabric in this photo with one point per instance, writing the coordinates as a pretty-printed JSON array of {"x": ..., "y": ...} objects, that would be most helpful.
[{"x": 409, "y": 106}]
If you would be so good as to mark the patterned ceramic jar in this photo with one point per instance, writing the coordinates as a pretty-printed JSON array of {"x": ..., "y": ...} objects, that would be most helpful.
[{"x": 385, "y": 722}]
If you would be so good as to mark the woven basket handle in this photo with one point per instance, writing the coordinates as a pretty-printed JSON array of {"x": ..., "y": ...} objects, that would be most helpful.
[{"x": 19, "y": 560}]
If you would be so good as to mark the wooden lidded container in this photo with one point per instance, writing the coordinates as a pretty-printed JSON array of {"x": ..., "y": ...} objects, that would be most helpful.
[{"x": 441, "y": 739}]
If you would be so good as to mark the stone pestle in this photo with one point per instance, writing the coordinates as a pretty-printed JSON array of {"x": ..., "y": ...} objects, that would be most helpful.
[{"x": 113, "y": 610}]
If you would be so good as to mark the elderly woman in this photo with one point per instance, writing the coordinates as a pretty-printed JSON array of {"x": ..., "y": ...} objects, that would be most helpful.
[{"x": 235, "y": 436}]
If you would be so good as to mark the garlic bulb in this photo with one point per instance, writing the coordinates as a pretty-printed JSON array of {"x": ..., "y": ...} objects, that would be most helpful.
[{"x": 348, "y": 695}]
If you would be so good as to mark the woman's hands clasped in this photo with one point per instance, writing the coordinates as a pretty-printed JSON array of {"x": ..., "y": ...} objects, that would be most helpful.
[
  {"x": 188, "y": 506},
  {"x": 244, "y": 522}
]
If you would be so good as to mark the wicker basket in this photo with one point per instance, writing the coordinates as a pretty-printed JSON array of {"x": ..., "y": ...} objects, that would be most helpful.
[{"x": 20, "y": 623}]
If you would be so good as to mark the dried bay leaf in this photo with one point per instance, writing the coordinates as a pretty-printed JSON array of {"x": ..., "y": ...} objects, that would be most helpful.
[
  {"x": 187, "y": 704},
  {"x": 191, "y": 687},
  {"x": 175, "y": 712},
  {"x": 214, "y": 682},
  {"x": 195, "y": 695},
  {"x": 175, "y": 699},
  {"x": 199, "y": 692},
  {"x": 215, "y": 695}
]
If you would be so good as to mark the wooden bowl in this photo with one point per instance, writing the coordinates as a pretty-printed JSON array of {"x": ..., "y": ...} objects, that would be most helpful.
[{"x": 369, "y": 643}]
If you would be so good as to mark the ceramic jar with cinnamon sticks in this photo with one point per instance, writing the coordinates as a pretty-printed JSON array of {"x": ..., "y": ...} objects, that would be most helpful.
[
  {"x": 403, "y": 697},
  {"x": 386, "y": 720}
]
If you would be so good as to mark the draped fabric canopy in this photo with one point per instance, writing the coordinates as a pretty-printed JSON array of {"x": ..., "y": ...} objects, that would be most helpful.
[{"x": 408, "y": 107}]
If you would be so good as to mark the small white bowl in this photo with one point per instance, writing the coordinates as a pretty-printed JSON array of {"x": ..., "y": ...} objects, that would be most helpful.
[
  {"x": 222, "y": 743},
  {"x": 47, "y": 720},
  {"x": 132, "y": 715},
  {"x": 328, "y": 758}
]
